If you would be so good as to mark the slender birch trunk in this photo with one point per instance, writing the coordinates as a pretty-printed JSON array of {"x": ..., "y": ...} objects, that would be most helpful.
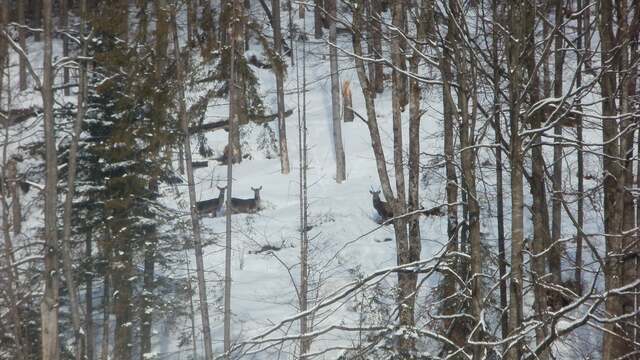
[{"x": 195, "y": 220}]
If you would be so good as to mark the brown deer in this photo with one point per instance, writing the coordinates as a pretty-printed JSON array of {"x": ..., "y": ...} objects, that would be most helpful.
[
  {"x": 212, "y": 206},
  {"x": 383, "y": 208},
  {"x": 247, "y": 206}
]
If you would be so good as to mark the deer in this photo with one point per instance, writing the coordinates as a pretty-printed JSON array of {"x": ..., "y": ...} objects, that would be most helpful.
[
  {"x": 212, "y": 206},
  {"x": 382, "y": 207},
  {"x": 247, "y": 206}
]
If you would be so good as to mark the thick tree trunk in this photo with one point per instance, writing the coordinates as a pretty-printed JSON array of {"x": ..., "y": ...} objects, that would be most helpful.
[
  {"x": 195, "y": 220},
  {"x": 515, "y": 47},
  {"x": 614, "y": 346},
  {"x": 341, "y": 173},
  {"x": 49, "y": 304},
  {"x": 279, "y": 71}
]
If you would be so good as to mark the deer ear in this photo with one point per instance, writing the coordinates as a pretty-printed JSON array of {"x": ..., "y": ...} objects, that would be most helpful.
[{"x": 260, "y": 188}]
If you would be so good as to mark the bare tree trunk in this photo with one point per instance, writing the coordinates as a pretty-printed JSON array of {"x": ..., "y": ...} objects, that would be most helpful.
[
  {"x": 376, "y": 24},
  {"x": 9, "y": 170},
  {"x": 540, "y": 215},
  {"x": 106, "y": 311},
  {"x": 614, "y": 346},
  {"x": 279, "y": 70},
  {"x": 16, "y": 208},
  {"x": 36, "y": 6},
  {"x": 341, "y": 174},
  {"x": 64, "y": 23},
  {"x": 556, "y": 217},
  {"x": 580, "y": 156},
  {"x": 22, "y": 40},
  {"x": 88, "y": 295},
  {"x": 497, "y": 123},
  {"x": 76, "y": 316},
  {"x": 303, "y": 289},
  {"x": 49, "y": 305},
  {"x": 454, "y": 329},
  {"x": 317, "y": 18},
  {"x": 235, "y": 35},
  {"x": 195, "y": 220},
  {"x": 515, "y": 47},
  {"x": 234, "y": 110}
]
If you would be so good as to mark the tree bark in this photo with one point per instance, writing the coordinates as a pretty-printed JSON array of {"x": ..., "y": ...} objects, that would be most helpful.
[
  {"x": 279, "y": 71},
  {"x": 16, "y": 208},
  {"x": 497, "y": 123},
  {"x": 195, "y": 220},
  {"x": 341, "y": 174},
  {"x": 376, "y": 24},
  {"x": 515, "y": 47},
  {"x": 318, "y": 16},
  {"x": 22, "y": 41},
  {"x": 556, "y": 215},
  {"x": 580, "y": 156},
  {"x": 88, "y": 295},
  {"x": 234, "y": 110},
  {"x": 49, "y": 304},
  {"x": 614, "y": 346},
  {"x": 76, "y": 316}
]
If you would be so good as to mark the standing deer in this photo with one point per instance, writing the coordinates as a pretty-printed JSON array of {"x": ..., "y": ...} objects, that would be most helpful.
[
  {"x": 212, "y": 206},
  {"x": 383, "y": 208},
  {"x": 247, "y": 206}
]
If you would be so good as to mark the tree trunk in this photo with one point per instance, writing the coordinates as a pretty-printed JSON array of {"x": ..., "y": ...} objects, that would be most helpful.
[
  {"x": 88, "y": 295},
  {"x": 35, "y": 7},
  {"x": 106, "y": 312},
  {"x": 376, "y": 24},
  {"x": 497, "y": 123},
  {"x": 580, "y": 156},
  {"x": 64, "y": 23},
  {"x": 556, "y": 217},
  {"x": 16, "y": 208},
  {"x": 515, "y": 47},
  {"x": 318, "y": 15},
  {"x": 455, "y": 329},
  {"x": 305, "y": 342},
  {"x": 195, "y": 220},
  {"x": 9, "y": 171},
  {"x": 79, "y": 333},
  {"x": 234, "y": 110},
  {"x": 540, "y": 214},
  {"x": 341, "y": 174},
  {"x": 22, "y": 41},
  {"x": 279, "y": 71},
  {"x": 614, "y": 346},
  {"x": 49, "y": 304}
]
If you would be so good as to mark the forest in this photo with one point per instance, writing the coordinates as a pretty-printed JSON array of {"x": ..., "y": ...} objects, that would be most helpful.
[{"x": 319, "y": 179}]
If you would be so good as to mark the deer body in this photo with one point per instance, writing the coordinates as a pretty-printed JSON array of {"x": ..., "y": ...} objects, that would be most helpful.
[
  {"x": 247, "y": 206},
  {"x": 383, "y": 208},
  {"x": 212, "y": 206}
]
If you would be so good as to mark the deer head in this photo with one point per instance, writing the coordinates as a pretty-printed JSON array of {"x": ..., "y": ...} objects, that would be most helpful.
[
  {"x": 256, "y": 192},
  {"x": 375, "y": 194}
]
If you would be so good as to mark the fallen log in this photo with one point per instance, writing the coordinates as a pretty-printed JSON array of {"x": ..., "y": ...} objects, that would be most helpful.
[{"x": 224, "y": 124}]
